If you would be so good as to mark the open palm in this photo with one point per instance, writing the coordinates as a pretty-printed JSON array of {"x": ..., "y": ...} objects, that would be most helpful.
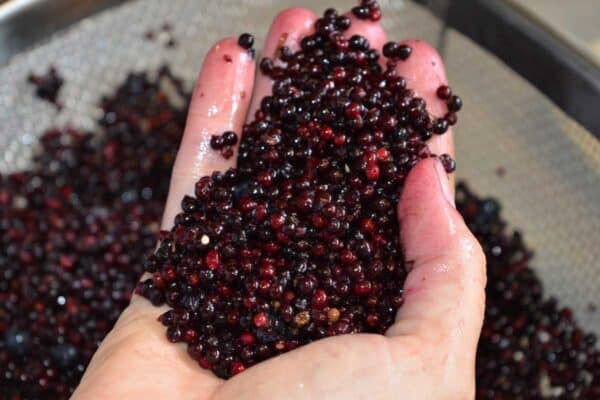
[{"x": 429, "y": 353}]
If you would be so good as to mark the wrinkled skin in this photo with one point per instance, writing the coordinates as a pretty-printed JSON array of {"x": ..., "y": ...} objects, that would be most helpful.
[{"x": 429, "y": 353}]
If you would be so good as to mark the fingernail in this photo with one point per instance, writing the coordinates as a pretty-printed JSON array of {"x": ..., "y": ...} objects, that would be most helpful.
[{"x": 444, "y": 183}]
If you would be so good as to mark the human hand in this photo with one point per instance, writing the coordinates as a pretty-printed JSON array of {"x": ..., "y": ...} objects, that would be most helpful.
[{"x": 429, "y": 353}]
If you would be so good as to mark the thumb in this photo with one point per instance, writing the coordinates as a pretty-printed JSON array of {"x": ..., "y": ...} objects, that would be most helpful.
[{"x": 444, "y": 292}]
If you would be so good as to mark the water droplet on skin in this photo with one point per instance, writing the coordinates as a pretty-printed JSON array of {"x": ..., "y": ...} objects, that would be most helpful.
[{"x": 212, "y": 110}]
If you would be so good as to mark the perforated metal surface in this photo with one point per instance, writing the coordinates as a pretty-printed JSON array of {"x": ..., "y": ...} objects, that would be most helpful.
[{"x": 551, "y": 188}]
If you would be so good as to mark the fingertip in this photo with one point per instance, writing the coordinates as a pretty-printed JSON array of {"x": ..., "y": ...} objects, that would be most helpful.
[
  {"x": 294, "y": 16},
  {"x": 220, "y": 102},
  {"x": 224, "y": 56},
  {"x": 288, "y": 28},
  {"x": 229, "y": 46},
  {"x": 425, "y": 72}
]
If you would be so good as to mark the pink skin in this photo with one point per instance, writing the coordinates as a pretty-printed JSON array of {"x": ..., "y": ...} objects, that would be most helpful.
[{"x": 428, "y": 353}]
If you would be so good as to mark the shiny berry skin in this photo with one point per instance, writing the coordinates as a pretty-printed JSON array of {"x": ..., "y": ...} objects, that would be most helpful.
[
  {"x": 247, "y": 339},
  {"x": 319, "y": 299},
  {"x": 361, "y": 12},
  {"x": 372, "y": 172},
  {"x": 452, "y": 118},
  {"x": 213, "y": 260},
  {"x": 362, "y": 288},
  {"x": 216, "y": 142},
  {"x": 454, "y": 103},
  {"x": 229, "y": 138},
  {"x": 404, "y": 51},
  {"x": 375, "y": 14},
  {"x": 444, "y": 92},
  {"x": 260, "y": 320},
  {"x": 390, "y": 49},
  {"x": 448, "y": 163},
  {"x": 246, "y": 41},
  {"x": 440, "y": 126},
  {"x": 383, "y": 154},
  {"x": 237, "y": 367}
]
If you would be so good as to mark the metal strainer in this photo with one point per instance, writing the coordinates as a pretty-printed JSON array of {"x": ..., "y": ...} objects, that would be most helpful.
[{"x": 551, "y": 187}]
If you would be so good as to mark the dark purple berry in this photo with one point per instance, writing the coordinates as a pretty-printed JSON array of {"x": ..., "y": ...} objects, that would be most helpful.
[
  {"x": 448, "y": 162},
  {"x": 404, "y": 51},
  {"x": 390, "y": 49},
  {"x": 230, "y": 138},
  {"x": 444, "y": 92},
  {"x": 216, "y": 142},
  {"x": 246, "y": 41},
  {"x": 454, "y": 103},
  {"x": 440, "y": 126}
]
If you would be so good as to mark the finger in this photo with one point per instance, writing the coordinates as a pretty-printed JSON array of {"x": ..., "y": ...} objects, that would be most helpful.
[
  {"x": 444, "y": 291},
  {"x": 287, "y": 29},
  {"x": 219, "y": 103},
  {"x": 424, "y": 73}
]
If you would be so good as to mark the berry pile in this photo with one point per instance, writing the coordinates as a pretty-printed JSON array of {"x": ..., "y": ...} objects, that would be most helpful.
[
  {"x": 301, "y": 240},
  {"x": 530, "y": 347},
  {"x": 73, "y": 230}
]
